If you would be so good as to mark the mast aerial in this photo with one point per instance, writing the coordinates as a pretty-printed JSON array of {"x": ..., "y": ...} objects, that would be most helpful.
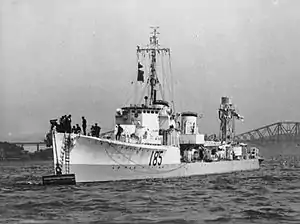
[{"x": 153, "y": 48}]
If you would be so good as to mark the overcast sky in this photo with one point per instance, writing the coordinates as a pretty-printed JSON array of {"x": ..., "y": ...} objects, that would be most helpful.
[{"x": 78, "y": 56}]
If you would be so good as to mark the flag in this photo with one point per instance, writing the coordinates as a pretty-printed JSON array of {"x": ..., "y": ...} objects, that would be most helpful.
[{"x": 140, "y": 76}]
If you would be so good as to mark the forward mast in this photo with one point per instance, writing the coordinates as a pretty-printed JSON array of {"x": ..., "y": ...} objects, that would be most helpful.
[{"x": 154, "y": 49}]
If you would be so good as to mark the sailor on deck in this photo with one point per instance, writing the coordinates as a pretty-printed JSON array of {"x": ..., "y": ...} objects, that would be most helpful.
[
  {"x": 84, "y": 125},
  {"x": 77, "y": 129},
  {"x": 119, "y": 132}
]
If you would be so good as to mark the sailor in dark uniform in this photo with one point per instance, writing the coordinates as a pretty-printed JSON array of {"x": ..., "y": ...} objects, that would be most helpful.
[
  {"x": 69, "y": 124},
  {"x": 97, "y": 130},
  {"x": 77, "y": 129},
  {"x": 84, "y": 125},
  {"x": 93, "y": 131},
  {"x": 119, "y": 132}
]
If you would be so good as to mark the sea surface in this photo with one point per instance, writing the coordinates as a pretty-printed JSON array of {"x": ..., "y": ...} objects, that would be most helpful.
[{"x": 269, "y": 195}]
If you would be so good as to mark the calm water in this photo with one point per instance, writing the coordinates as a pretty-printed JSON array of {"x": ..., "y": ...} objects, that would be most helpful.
[{"x": 270, "y": 195}]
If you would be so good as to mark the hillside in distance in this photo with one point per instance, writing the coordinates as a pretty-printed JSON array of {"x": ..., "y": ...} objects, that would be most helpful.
[{"x": 9, "y": 151}]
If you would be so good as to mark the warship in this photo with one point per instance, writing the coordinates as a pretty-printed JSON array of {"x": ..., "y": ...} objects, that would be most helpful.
[{"x": 151, "y": 139}]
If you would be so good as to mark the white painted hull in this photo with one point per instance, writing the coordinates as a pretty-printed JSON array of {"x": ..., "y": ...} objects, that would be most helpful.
[
  {"x": 98, "y": 173},
  {"x": 96, "y": 151},
  {"x": 95, "y": 160}
]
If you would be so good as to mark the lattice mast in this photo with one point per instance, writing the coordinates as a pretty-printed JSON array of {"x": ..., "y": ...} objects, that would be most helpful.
[
  {"x": 227, "y": 116},
  {"x": 153, "y": 49}
]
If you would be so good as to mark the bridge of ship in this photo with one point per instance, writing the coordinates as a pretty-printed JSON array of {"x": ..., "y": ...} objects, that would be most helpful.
[{"x": 280, "y": 131}]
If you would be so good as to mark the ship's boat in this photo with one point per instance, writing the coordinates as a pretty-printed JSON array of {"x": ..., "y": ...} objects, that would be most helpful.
[{"x": 151, "y": 139}]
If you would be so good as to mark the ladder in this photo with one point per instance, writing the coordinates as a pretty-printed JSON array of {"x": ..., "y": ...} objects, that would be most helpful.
[
  {"x": 67, "y": 147},
  {"x": 65, "y": 152}
]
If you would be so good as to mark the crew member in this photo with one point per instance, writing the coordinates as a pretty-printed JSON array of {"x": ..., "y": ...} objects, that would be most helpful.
[
  {"x": 84, "y": 125},
  {"x": 93, "y": 131},
  {"x": 78, "y": 129},
  {"x": 97, "y": 130},
  {"x": 119, "y": 132},
  {"x": 69, "y": 124}
]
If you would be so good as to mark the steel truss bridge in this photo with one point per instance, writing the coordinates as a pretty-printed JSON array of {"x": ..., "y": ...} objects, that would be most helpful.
[
  {"x": 37, "y": 144},
  {"x": 280, "y": 131}
]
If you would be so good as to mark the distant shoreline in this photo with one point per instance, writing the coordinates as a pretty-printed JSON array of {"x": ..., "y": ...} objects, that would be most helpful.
[
  {"x": 24, "y": 162},
  {"x": 13, "y": 153}
]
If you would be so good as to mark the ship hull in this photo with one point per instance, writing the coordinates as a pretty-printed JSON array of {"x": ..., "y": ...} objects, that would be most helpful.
[
  {"x": 97, "y": 151},
  {"x": 99, "y": 173},
  {"x": 96, "y": 160}
]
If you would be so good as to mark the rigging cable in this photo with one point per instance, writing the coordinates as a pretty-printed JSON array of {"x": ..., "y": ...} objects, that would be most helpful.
[
  {"x": 166, "y": 77},
  {"x": 136, "y": 82},
  {"x": 172, "y": 81},
  {"x": 163, "y": 78},
  {"x": 144, "y": 90},
  {"x": 132, "y": 93}
]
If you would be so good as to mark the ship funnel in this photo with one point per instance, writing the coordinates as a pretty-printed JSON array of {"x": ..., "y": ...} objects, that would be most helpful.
[{"x": 189, "y": 123}]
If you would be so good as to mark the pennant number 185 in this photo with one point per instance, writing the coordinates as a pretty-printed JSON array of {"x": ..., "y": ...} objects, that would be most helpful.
[{"x": 156, "y": 158}]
